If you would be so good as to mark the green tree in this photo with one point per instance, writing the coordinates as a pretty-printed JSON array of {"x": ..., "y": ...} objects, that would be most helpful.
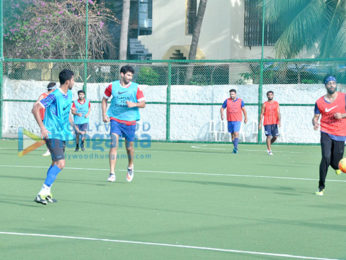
[
  {"x": 309, "y": 24},
  {"x": 55, "y": 29}
]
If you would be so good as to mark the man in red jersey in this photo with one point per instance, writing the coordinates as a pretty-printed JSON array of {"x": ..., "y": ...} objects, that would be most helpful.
[
  {"x": 271, "y": 114},
  {"x": 332, "y": 107},
  {"x": 234, "y": 109},
  {"x": 50, "y": 88}
]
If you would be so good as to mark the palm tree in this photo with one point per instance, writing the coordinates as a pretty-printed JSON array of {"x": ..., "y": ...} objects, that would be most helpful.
[
  {"x": 309, "y": 24},
  {"x": 124, "y": 30},
  {"x": 195, "y": 37}
]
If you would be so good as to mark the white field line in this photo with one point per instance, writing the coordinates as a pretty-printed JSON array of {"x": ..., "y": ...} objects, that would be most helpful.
[
  {"x": 180, "y": 173},
  {"x": 165, "y": 245}
]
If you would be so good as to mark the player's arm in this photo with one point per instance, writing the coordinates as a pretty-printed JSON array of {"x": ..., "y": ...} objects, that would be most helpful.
[
  {"x": 315, "y": 121},
  {"x": 316, "y": 117},
  {"x": 87, "y": 114},
  {"x": 140, "y": 100},
  {"x": 279, "y": 116},
  {"x": 36, "y": 112},
  {"x": 245, "y": 114},
  {"x": 140, "y": 104},
  {"x": 104, "y": 110},
  {"x": 339, "y": 115},
  {"x": 222, "y": 109},
  {"x": 107, "y": 94},
  {"x": 244, "y": 111},
  {"x": 261, "y": 117}
]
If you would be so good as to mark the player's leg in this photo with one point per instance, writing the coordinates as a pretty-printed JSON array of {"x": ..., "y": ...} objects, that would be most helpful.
[
  {"x": 337, "y": 154},
  {"x": 236, "y": 129},
  {"x": 57, "y": 150},
  {"x": 113, "y": 156},
  {"x": 77, "y": 139},
  {"x": 83, "y": 129},
  {"x": 129, "y": 134},
  {"x": 268, "y": 133},
  {"x": 326, "y": 147},
  {"x": 275, "y": 133}
]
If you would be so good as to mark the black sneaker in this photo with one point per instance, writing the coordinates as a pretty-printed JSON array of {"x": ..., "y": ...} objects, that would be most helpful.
[
  {"x": 77, "y": 149},
  {"x": 41, "y": 200}
]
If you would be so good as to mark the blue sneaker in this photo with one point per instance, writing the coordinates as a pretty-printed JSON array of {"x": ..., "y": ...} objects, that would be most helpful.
[{"x": 235, "y": 150}]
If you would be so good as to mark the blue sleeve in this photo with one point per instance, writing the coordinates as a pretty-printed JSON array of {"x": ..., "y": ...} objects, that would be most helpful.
[
  {"x": 224, "y": 105},
  {"x": 242, "y": 104},
  {"x": 317, "y": 111},
  {"x": 46, "y": 102}
]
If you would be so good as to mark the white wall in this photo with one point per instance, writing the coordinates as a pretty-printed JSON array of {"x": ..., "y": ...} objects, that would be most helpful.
[
  {"x": 222, "y": 33},
  {"x": 188, "y": 122}
]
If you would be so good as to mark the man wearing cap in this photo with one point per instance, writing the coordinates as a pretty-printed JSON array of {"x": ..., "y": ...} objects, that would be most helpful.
[
  {"x": 332, "y": 108},
  {"x": 50, "y": 88}
]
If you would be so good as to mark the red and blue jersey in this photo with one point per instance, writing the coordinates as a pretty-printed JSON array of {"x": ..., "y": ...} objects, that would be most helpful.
[
  {"x": 329, "y": 124},
  {"x": 118, "y": 110},
  {"x": 234, "y": 109}
]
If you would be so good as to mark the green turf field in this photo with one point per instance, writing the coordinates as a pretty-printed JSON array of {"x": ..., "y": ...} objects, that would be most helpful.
[{"x": 187, "y": 201}]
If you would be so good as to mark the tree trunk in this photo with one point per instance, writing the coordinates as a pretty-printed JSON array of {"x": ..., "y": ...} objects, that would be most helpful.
[
  {"x": 124, "y": 30},
  {"x": 195, "y": 37}
]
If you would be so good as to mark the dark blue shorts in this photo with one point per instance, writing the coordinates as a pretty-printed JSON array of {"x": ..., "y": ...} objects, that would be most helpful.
[
  {"x": 126, "y": 131},
  {"x": 56, "y": 148},
  {"x": 234, "y": 126},
  {"x": 82, "y": 127},
  {"x": 271, "y": 130}
]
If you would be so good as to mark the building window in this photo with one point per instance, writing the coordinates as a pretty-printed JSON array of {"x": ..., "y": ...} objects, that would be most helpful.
[
  {"x": 145, "y": 17},
  {"x": 253, "y": 26},
  {"x": 191, "y": 12}
]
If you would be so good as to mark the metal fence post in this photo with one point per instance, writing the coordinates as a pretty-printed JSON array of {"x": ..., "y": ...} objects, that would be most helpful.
[
  {"x": 168, "y": 103},
  {"x": 1, "y": 61}
]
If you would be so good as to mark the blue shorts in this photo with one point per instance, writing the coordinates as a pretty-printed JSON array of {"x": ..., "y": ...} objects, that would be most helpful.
[
  {"x": 127, "y": 131},
  {"x": 82, "y": 127},
  {"x": 271, "y": 130},
  {"x": 234, "y": 126}
]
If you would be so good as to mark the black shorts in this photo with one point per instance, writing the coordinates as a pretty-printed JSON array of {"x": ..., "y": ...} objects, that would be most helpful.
[{"x": 56, "y": 148}]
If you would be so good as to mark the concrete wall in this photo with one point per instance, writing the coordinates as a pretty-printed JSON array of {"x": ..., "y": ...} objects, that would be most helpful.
[{"x": 187, "y": 122}]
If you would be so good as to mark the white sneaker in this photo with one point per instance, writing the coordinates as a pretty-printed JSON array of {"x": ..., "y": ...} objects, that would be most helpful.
[
  {"x": 46, "y": 153},
  {"x": 130, "y": 174},
  {"x": 111, "y": 177},
  {"x": 269, "y": 152}
]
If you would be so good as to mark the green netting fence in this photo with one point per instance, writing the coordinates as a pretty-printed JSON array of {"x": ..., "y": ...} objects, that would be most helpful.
[{"x": 251, "y": 77}]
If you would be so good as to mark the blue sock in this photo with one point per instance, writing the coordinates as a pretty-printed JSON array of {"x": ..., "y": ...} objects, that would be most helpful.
[
  {"x": 51, "y": 175},
  {"x": 235, "y": 143}
]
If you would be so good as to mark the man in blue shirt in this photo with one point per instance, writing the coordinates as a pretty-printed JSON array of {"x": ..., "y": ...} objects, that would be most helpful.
[
  {"x": 55, "y": 129},
  {"x": 123, "y": 113},
  {"x": 81, "y": 111}
]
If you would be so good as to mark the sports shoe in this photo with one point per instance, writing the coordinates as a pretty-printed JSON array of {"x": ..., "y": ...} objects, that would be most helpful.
[
  {"x": 50, "y": 199},
  {"x": 111, "y": 177},
  {"x": 338, "y": 171},
  {"x": 77, "y": 149},
  {"x": 46, "y": 153},
  {"x": 130, "y": 174},
  {"x": 269, "y": 152},
  {"x": 235, "y": 150},
  {"x": 319, "y": 192},
  {"x": 82, "y": 148},
  {"x": 40, "y": 199}
]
